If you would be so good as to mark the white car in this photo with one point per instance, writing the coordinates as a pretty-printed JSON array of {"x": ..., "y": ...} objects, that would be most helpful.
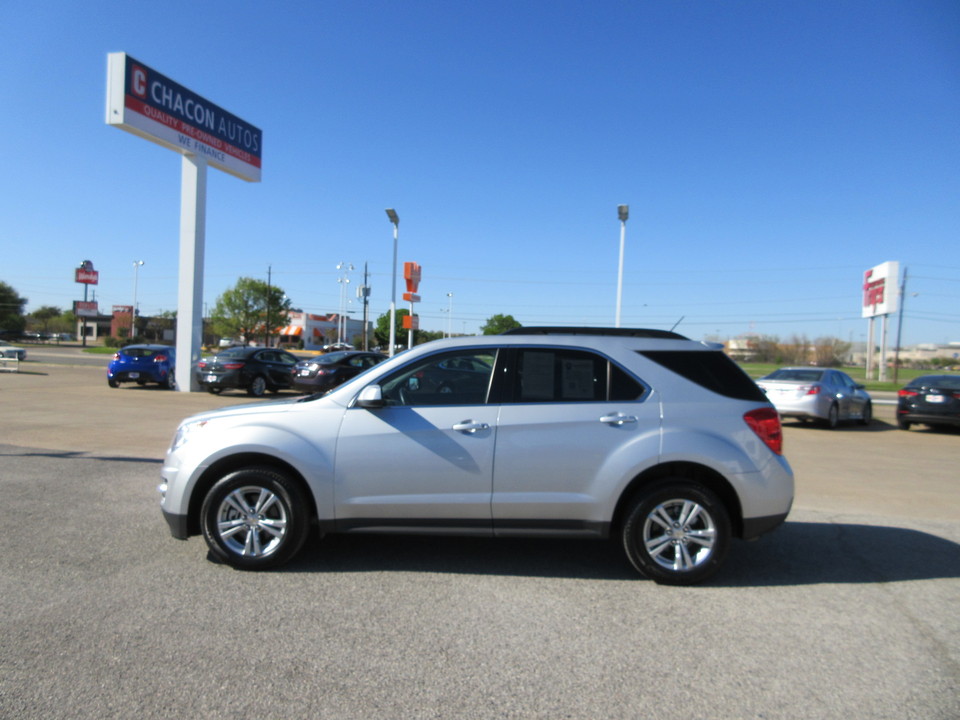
[
  {"x": 647, "y": 436},
  {"x": 12, "y": 351}
]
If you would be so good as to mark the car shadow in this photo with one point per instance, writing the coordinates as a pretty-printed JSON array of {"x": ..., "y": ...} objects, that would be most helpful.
[
  {"x": 846, "y": 426},
  {"x": 798, "y": 553},
  {"x": 74, "y": 455}
]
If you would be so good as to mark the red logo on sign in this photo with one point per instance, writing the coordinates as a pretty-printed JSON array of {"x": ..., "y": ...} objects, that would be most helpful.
[
  {"x": 138, "y": 81},
  {"x": 873, "y": 290}
]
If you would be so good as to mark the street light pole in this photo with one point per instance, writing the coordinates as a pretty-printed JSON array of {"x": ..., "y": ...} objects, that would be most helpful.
[
  {"x": 623, "y": 211},
  {"x": 343, "y": 280},
  {"x": 133, "y": 310},
  {"x": 450, "y": 314},
  {"x": 394, "y": 218}
]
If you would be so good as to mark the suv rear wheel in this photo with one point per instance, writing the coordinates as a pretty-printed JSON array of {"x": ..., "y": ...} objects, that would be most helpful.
[
  {"x": 676, "y": 533},
  {"x": 254, "y": 519}
]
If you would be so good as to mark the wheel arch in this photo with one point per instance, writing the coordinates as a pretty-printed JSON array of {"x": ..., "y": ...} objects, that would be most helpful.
[
  {"x": 708, "y": 477},
  {"x": 229, "y": 464}
]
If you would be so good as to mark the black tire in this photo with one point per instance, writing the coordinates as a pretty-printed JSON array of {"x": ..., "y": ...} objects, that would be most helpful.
[
  {"x": 214, "y": 390},
  {"x": 112, "y": 383},
  {"x": 254, "y": 519},
  {"x": 833, "y": 417},
  {"x": 867, "y": 417},
  {"x": 903, "y": 424},
  {"x": 170, "y": 383},
  {"x": 258, "y": 386},
  {"x": 676, "y": 533}
]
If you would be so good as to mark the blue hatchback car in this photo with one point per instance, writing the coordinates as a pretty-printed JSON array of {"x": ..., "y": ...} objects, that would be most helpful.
[{"x": 143, "y": 364}]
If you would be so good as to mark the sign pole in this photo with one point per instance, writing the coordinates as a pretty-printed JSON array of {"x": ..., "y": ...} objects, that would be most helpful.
[{"x": 193, "y": 204}]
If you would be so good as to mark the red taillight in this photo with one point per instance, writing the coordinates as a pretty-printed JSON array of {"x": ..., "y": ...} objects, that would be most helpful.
[
  {"x": 202, "y": 364},
  {"x": 765, "y": 422},
  {"x": 814, "y": 390},
  {"x": 907, "y": 393},
  {"x": 160, "y": 358},
  {"x": 233, "y": 365}
]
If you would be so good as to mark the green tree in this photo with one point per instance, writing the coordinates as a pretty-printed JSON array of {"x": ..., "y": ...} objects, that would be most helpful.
[
  {"x": 11, "y": 308},
  {"x": 381, "y": 331},
  {"x": 43, "y": 315},
  {"x": 497, "y": 324},
  {"x": 242, "y": 311}
]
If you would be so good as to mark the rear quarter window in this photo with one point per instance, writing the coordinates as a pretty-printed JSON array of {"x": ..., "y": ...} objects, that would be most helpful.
[{"x": 711, "y": 370}]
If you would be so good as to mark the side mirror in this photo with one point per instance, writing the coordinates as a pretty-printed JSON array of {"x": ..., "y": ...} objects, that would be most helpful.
[{"x": 371, "y": 397}]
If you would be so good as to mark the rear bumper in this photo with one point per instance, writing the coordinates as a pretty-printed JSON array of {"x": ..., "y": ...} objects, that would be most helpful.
[
  {"x": 928, "y": 418},
  {"x": 142, "y": 376}
]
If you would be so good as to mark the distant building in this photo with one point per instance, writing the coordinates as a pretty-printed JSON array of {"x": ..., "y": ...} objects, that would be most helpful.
[{"x": 316, "y": 331}]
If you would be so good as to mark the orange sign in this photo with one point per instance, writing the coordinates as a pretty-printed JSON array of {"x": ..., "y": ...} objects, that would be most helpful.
[
  {"x": 411, "y": 273},
  {"x": 411, "y": 322}
]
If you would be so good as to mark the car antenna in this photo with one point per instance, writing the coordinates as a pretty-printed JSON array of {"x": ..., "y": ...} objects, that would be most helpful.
[{"x": 677, "y": 323}]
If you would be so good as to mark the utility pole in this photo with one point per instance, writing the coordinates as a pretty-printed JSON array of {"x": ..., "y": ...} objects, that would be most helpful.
[
  {"x": 364, "y": 293},
  {"x": 269, "y": 282},
  {"x": 896, "y": 351}
]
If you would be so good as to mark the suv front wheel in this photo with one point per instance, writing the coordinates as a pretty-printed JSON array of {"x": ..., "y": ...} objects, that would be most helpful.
[
  {"x": 676, "y": 533},
  {"x": 254, "y": 519}
]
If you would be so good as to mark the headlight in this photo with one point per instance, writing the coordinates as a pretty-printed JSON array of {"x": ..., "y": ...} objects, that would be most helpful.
[{"x": 185, "y": 432}]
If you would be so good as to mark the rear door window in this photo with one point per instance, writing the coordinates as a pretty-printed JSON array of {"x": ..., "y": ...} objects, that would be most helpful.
[{"x": 712, "y": 370}]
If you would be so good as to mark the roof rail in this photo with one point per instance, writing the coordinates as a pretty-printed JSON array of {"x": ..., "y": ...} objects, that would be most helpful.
[{"x": 618, "y": 332}]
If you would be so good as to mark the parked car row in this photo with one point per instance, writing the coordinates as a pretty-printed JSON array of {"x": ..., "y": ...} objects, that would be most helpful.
[
  {"x": 831, "y": 397},
  {"x": 810, "y": 394},
  {"x": 257, "y": 370}
]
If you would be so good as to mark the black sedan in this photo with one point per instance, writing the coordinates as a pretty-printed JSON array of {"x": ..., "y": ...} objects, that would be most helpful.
[
  {"x": 254, "y": 369},
  {"x": 324, "y": 372},
  {"x": 931, "y": 400}
]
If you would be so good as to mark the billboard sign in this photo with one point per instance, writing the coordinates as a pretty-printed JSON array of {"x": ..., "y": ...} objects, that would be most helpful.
[
  {"x": 880, "y": 293},
  {"x": 144, "y": 102},
  {"x": 84, "y": 309}
]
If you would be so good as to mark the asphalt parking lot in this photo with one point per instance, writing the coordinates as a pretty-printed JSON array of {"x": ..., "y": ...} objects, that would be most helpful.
[{"x": 849, "y": 610}]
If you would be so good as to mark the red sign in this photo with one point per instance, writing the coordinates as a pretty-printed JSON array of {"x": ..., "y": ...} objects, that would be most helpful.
[
  {"x": 411, "y": 273},
  {"x": 82, "y": 308},
  {"x": 88, "y": 277},
  {"x": 411, "y": 322},
  {"x": 410, "y": 297}
]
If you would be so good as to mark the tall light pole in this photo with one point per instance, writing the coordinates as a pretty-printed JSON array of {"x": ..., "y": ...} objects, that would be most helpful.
[
  {"x": 623, "y": 211},
  {"x": 343, "y": 280},
  {"x": 133, "y": 310},
  {"x": 392, "y": 214}
]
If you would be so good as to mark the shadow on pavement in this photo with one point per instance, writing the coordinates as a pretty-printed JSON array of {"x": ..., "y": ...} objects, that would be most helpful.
[{"x": 798, "y": 553}]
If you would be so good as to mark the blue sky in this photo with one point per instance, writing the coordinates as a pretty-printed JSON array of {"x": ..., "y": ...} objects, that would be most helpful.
[{"x": 770, "y": 153}]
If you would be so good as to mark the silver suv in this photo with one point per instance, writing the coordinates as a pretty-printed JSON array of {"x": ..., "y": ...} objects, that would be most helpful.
[{"x": 642, "y": 435}]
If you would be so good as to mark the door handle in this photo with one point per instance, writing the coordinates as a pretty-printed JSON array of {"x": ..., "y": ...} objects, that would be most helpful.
[
  {"x": 618, "y": 419},
  {"x": 470, "y": 427}
]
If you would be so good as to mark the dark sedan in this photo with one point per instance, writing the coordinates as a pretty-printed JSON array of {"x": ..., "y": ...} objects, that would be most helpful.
[
  {"x": 324, "y": 372},
  {"x": 931, "y": 400},
  {"x": 254, "y": 369}
]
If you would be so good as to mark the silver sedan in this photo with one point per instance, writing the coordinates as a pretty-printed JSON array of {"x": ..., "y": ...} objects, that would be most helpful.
[{"x": 810, "y": 393}]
